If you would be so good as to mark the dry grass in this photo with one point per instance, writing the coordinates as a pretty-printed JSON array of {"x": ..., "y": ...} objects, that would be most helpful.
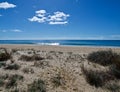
[{"x": 31, "y": 58}]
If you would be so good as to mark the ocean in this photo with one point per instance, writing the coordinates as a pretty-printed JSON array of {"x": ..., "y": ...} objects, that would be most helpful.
[{"x": 113, "y": 43}]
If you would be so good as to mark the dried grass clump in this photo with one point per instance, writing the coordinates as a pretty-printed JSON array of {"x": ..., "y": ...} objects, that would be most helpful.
[
  {"x": 97, "y": 78},
  {"x": 102, "y": 57},
  {"x": 30, "y": 58},
  {"x": 37, "y": 86},
  {"x": 4, "y": 55}
]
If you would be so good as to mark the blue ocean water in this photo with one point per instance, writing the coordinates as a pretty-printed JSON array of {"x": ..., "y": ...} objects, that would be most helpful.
[{"x": 115, "y": 43}]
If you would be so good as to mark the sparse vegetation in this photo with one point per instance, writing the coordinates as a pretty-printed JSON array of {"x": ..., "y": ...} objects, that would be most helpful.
[
  {"x": 97, "y": 78},
  {"x": 28, "y": 70},
  {"x": 102, "y": 57},
  {"x": 41, "y": 63},
  {"x": 113, "y": 86},
  {"x": 30, "y": 58},
  {"x": 12, "y": 67},
  {"x": 58, "y": 81},
  {"x": 37, "y": 86},
  {"x": 4, "y": 55},
  {"x": 115, "y": 71},
  {"x": 12, "y": 80},
  {"x": 2, "y": 64}
]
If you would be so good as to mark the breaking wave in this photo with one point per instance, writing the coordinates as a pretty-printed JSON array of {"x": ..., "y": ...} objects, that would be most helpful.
[{"x": 48, "y": 43}]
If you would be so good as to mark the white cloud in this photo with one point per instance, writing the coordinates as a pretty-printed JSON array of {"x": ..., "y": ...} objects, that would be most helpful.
[
  {"x": 13, "y": 30},
  {"x": 6, "y": 5},
  {"x": 57, "y": 18},
  {"x": 16, "y": 30},
  {"x": 37, "y": 19}
]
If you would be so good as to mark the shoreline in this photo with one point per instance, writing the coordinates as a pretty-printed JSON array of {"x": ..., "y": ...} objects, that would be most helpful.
[{"x": 62, "y": 48}]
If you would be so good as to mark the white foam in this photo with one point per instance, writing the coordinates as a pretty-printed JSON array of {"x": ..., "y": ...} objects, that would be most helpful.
[{"x": 48, "y": 43}]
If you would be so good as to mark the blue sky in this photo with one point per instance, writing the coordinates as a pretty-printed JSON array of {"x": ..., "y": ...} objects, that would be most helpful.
[{"x": 60, "y": 19}]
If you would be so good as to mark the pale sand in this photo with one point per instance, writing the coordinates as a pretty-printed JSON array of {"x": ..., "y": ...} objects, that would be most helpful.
[
  {"x": 66, "y": 60},
  {"x": 80, "y": 49}
]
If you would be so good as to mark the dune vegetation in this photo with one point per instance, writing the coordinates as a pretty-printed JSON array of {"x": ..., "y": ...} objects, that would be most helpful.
[{"x": 30, "y": 70}]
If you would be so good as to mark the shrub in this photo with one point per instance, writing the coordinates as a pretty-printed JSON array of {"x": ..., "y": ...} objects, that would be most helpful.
[
  {"x": 4, "y": 55},
  {"x": 1, "y": 82},
  {"x": 113, "y": 87},
  {"x": 28, "y": 70},
  {"x": 2, "y": 64},
  {"x": 96, "y": 78},
  {"x": 115, "y": 71},
  {"x": 41, "y": 63},
  {"x": 12, "y": 80},
  {"x": 12, "y": 67},
  {"x": 30, "y": 58},
  {"x": 37, "y": 86},
  {"x": 58, "y": 81},
  {"x": 102, "y": 57}
]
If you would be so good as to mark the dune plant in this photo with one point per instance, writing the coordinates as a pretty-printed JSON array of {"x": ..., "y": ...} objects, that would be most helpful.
[
  {"x": 30, "y": 58},
  {"x": 12, "y": 67},
  {"x": 37, "y": 86},
  {"x": 4, "y": 55},
  {"x": 113, "y": 86},
  {"x": 97, "y": 78},
  {"x": 12, "y": 80},
  {"x": 57, "y": 80},
  {"x": 102, "y": 57}
]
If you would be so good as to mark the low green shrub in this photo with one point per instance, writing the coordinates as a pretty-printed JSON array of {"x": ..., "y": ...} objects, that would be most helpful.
[
  {"x": 28, "y": 70},
  {"x": 12, "y": 67},
  {"x": 37, "y": 86},
  {"x": 2, "y": 64},
  {"x": 30, "y": 58},
  {"x": 113, "y": 86},
  {"x": 115, "y": 71},
  {"x": 57, "y": 81},
  {"x": 12, "y": 80},
  {"x": 97, "y": 78},
  {"x": 4, "y": 55},
  {"x": 102, "y": 57}
]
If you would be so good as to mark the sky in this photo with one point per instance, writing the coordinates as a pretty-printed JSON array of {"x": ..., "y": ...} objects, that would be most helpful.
[{"x": 59, "y": 19}]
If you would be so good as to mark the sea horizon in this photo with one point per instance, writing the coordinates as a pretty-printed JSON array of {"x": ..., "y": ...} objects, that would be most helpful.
[{"x": 62, "y": 42}]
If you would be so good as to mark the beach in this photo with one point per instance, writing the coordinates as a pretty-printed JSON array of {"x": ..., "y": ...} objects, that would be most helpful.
[{"x": 50, "y": 61}]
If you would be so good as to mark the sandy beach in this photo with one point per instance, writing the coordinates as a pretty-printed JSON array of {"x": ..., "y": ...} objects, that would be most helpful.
[{"x": 65, "y": 61}]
